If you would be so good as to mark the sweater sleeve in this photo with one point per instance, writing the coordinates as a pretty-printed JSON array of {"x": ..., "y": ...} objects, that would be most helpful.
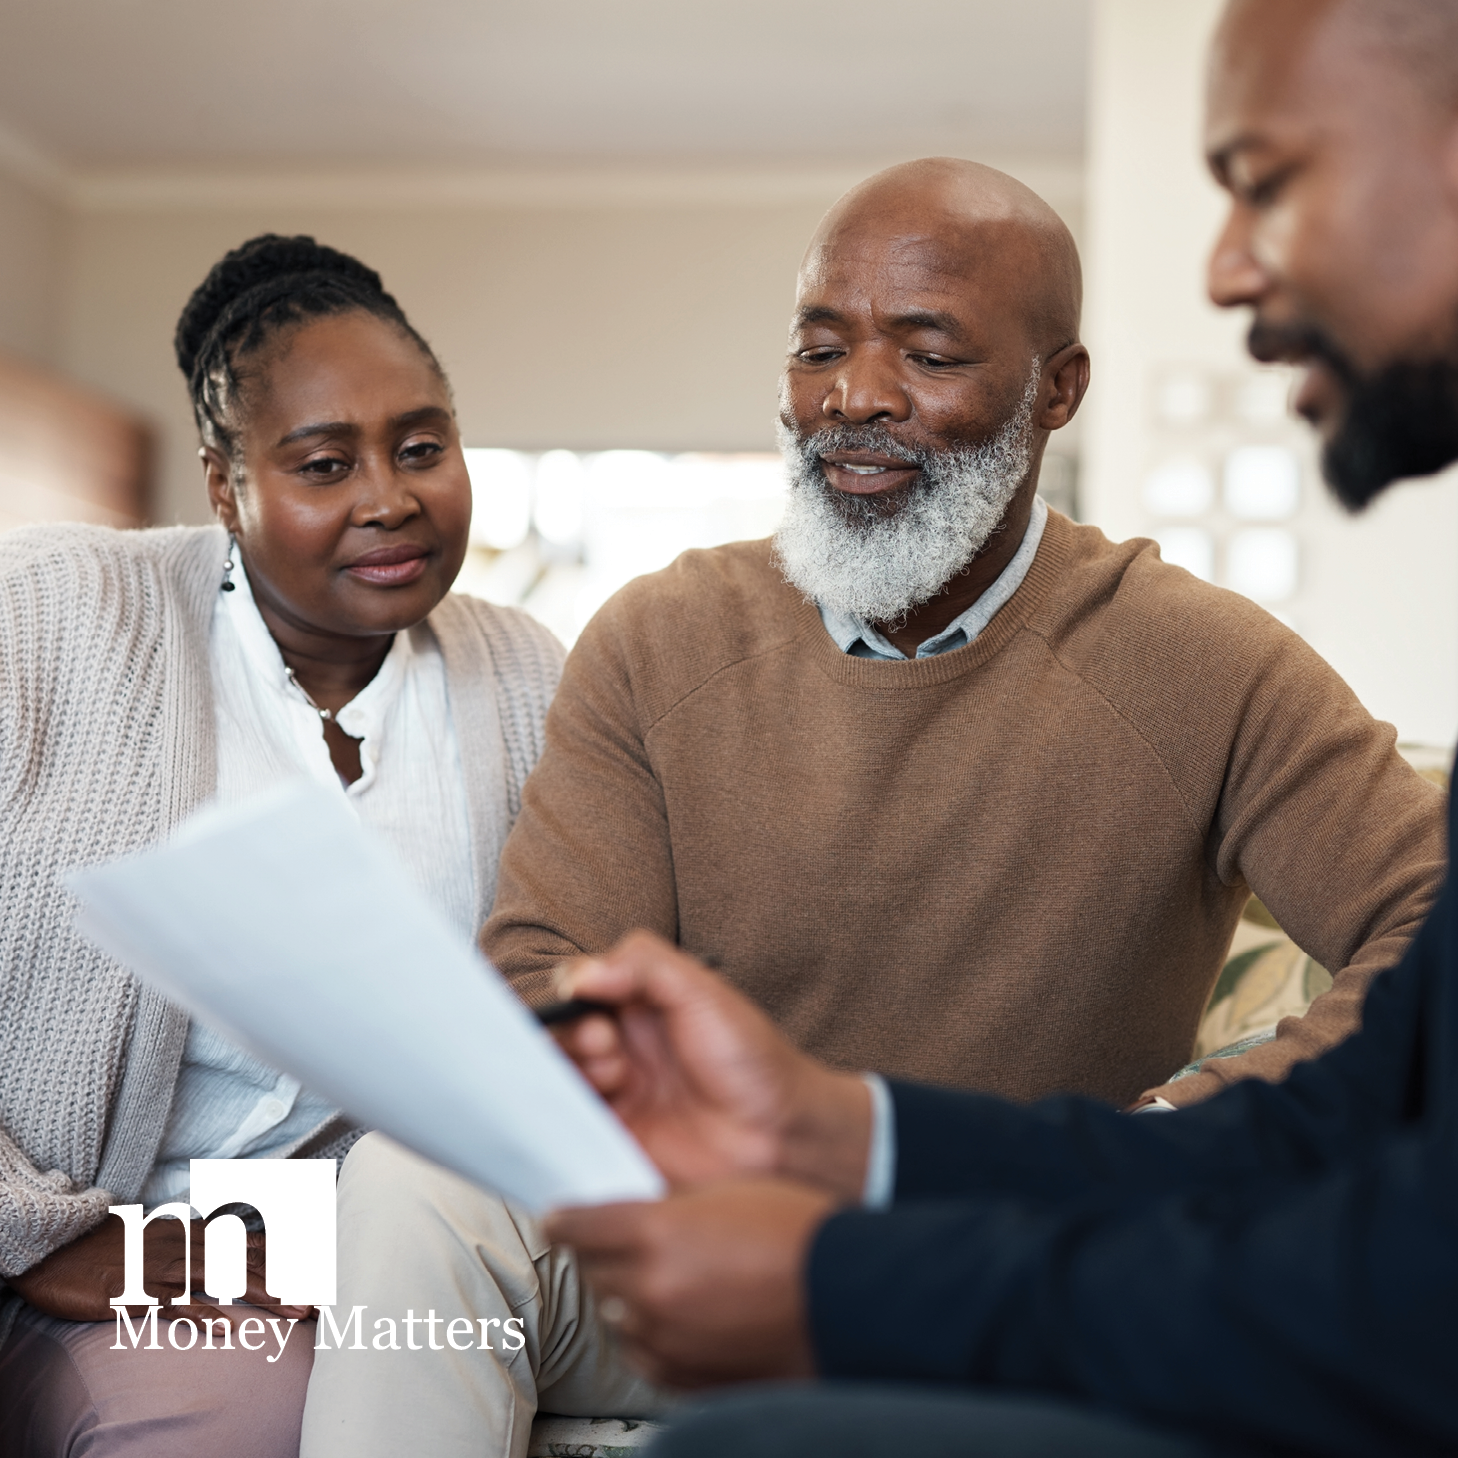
[
  {"x": 588, "y": 859},
  {"x": 1335, "y": 832},
  {"x": 40, "y": 1212},
  {"x": 1332, "y": 1017}
]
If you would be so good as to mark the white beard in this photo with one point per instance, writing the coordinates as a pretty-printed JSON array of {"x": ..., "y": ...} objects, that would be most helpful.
[{"x": 843, "y": 556}]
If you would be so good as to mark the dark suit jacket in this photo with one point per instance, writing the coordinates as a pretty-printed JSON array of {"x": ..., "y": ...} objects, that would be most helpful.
[{"x": 1277, "y": 1267}]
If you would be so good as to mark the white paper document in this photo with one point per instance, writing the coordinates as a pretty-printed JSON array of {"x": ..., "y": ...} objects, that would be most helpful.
[{"x": 287, "y": 926}]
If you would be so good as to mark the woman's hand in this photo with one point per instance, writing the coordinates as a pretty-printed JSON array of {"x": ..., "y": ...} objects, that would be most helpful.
[
  {"x": 78, "y": 1281},
  {"x": 706, "y": 1083}
]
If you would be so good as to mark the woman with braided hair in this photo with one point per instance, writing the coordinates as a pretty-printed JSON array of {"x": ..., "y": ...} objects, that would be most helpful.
[{"x": 312, "y": 632}]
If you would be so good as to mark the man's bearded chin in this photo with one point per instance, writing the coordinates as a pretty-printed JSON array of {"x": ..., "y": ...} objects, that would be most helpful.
[
  {"x": 878, "y": 557},
  {"x": 1398, "y": 421}
]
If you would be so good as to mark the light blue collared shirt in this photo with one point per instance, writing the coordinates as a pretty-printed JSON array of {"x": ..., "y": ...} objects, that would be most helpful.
[{"x": 861, "y": 640}]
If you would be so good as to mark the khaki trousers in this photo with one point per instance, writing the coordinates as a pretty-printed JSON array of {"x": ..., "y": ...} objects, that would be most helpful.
[{"x": 415, "y": 1243}]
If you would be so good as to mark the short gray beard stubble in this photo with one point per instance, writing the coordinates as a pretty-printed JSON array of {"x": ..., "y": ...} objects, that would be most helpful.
[{"x": 845, "y": 554}]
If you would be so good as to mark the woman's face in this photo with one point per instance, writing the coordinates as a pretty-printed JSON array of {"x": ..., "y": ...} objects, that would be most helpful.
[{"x": 354, "y": 508}]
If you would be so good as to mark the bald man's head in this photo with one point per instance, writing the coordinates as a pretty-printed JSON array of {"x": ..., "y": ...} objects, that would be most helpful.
[
  {"x": 934, "y": 346},
  {"x": 990, "y": 230}
]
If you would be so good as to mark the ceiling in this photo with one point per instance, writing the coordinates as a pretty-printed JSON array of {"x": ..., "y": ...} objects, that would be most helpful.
[{"x": 103, "y": 83}]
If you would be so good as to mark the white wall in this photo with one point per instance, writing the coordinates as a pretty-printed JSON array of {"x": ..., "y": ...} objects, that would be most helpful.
[
  {"x": 1377, "y": 596},
  {"x": 33, "y": 237}
]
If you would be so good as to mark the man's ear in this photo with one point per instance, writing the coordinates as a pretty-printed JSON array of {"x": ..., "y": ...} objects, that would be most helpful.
[
  {"x": 1063, "y": 386},
  {"x": 218, "y": 476}
]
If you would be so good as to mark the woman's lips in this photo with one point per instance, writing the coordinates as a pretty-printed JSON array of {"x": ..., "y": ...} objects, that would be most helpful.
[{"x": 390, "y": 566}]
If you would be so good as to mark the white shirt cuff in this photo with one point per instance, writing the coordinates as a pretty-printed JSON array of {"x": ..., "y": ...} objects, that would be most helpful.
[
  {"x": 1157, "y": 1106},
  {"x": 881, "y": 1162}
]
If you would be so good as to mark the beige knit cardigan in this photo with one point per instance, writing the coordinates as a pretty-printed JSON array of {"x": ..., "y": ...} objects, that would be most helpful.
[{"x": 106, "y": 743}]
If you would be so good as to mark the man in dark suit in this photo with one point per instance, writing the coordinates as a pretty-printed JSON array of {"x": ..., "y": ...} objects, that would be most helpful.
[{"x": 1275, "y": 1271}]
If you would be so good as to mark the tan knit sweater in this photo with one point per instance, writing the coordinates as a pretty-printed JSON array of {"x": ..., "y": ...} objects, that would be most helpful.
[
  {"x": 1013, "y": 867},
  {"x": 106, "y": 743}
]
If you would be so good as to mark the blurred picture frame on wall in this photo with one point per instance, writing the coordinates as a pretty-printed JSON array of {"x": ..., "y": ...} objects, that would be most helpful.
[{"x": 68, "y": 453}]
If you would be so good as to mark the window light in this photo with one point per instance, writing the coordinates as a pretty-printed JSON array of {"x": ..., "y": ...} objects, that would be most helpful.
[
  {"x": 1262, "y": 483},
  {"x": 1190, "y": 548},
  {"x": 1183, "y": 486},
  {"x": 501, "y": 498},
  {"x": 1261, "y": 562}
]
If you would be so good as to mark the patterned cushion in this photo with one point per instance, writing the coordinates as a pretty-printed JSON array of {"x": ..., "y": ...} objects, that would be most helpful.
[
  {"x": 1267, "y": 978},
  {"x": 1256, "y": 989},
  {"x": 579, "y": 1437}
]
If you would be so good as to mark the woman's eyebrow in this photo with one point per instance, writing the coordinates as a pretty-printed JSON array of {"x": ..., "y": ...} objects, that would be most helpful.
[
  {"x": 349, "y": 427},
  {"x": 327, "y": 427},
  {"x": 417, "y": 417}
]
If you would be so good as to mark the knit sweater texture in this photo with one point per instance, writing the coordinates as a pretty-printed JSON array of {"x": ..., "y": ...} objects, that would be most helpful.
[
  {"x": 106, "y": 744},
  {"x": 1013, "y": 867}
]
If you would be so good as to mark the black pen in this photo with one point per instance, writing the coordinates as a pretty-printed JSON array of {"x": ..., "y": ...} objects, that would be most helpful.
[
  {"x": 570, "y": 1010},
  {"x": 573, "y": 1008}
]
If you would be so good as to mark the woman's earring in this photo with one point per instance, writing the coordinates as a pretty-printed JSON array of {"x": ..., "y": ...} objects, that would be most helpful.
[{"x": 228, "y": 564}]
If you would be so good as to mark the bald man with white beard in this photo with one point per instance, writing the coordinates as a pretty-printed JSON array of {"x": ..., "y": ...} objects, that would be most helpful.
[{"x": 952, "y": 787}]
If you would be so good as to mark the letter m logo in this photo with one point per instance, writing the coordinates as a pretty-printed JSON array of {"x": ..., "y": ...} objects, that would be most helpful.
[{"x": 295, "y": 1197}]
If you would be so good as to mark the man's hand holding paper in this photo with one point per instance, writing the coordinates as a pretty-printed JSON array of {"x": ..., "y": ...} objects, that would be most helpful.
[{"x": 704, "y": 1080}]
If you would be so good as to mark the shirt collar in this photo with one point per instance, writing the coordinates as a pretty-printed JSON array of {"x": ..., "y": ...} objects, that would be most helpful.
[
  {"x": 860, "y": 639},
  {"x": 363, "y": 716}
]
